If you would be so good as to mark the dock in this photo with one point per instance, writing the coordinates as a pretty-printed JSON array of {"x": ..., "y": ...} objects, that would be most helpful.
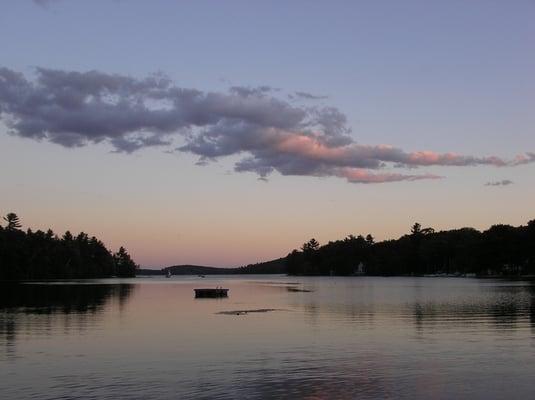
[{"x": 211, "y": 293}]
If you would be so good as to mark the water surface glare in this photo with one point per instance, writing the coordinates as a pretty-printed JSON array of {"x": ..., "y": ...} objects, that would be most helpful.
[{"x": 273, "y": 337}]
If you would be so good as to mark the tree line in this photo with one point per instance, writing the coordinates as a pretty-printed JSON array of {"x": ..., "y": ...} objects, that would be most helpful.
[
  {"x": 500, "y": 250},
  {"x": 44, "y": 255}
]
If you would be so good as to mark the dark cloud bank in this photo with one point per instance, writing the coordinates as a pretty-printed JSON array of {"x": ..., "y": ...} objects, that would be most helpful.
[{"x": 76, "y": 109}]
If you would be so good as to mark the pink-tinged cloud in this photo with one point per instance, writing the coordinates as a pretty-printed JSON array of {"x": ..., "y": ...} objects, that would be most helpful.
[
  {"x": 356, "y": 175},
  {"x": 311, "y": 147},
  {"x": 76, "y": 109},
  {"x": 521, "y": 159},
  {"x": 422, "y": 158}
]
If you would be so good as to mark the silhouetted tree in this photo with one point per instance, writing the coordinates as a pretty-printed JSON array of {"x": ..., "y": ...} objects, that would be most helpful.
[
  {"x": 311, "y": 245},
  {"x": 500, "y": 250},
  {"x": 416, "y": 229},
  {"x": 67, "y": 236},
  {"x": 40, "y": 255},
  {"x": 124, "y": 265},
  {"x": 294, "y": 263},
  {"x": 13, "y": 222},
  {"x": 312, "y": 263}
]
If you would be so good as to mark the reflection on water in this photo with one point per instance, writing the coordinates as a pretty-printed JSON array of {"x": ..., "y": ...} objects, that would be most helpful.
[
  {"x": 322, "y": 338},
  {"x": 505, "y": 310},
  {"x": 38, "y": 308},
  {"x": 66, "y": 298}
]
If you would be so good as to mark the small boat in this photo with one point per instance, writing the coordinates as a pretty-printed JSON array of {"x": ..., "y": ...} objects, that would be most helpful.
[
  {"x": 202, "y": 276},
  {"x": 211, "y": 293},
  {"x": 168, "y": 275}
]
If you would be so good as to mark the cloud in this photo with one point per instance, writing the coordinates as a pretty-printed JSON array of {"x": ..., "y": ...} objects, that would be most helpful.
[
  {"x": 76, "y": 109},
  {"x": 307, "y": 96},
  {"x": 356, "y": 175},
  {"x": 504, "y": 182},
  {"x": 522, "y": 159},
  {"x": 246, "y": 91}
]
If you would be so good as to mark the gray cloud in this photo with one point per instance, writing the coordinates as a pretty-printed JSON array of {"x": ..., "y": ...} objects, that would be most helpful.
[
  {"x": 505, "y": 182},
  {"x": 246, "y": 91},
  {"x": 75, "y": 109},
  {"x": 307, "y": 96}
]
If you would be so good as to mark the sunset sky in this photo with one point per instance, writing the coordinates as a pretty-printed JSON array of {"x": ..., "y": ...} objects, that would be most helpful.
[{"x": 230, "y": 132}]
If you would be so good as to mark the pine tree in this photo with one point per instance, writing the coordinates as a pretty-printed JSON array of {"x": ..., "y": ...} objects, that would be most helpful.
[
  {"x": 124, "y": 265},
  {"x": 13, "y": 222}
]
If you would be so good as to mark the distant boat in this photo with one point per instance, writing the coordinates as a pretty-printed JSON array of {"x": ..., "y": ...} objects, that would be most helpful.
[
  {"x": 213, "y": 293},
  {"x": 202, "y": 276},
  {"x": 168, "y": 275}
]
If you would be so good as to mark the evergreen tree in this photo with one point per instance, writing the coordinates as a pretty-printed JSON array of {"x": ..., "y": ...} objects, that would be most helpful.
[
  {"x": 124, "y": 265},
  {"x": 311, "y": 245},
  {"x": 40, "y": 255},
  {"x": 13, "y": 222},
  {"x": 501, "y": 250}
]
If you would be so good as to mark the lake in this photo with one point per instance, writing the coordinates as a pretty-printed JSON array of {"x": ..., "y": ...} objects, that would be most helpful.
[{"x": 273, "y": 337}]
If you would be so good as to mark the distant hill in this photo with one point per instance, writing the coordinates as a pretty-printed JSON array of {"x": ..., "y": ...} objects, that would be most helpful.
[
  {"x": 277, "y": 266},
  {"x": 147, "y": 271},
  {"x": 196, "y": 270},
  {"x": 269, "y": 267}
]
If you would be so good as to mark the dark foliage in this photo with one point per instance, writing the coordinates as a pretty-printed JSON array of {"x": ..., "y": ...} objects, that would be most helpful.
[
  {"x": 124, "y": 265},
  {"x": 277, "y": 266},
  {"x": 500, "y": 250},
  {"x": 43, "y": 255}
]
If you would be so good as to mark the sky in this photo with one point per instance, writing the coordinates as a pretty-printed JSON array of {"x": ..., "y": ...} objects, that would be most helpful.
[{"x": 228, "y": 133}]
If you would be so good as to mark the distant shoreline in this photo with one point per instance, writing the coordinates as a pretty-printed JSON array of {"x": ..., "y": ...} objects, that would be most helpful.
[
  {"x": 80, "y": 280},
  {"x": 232, "y": 271},
  {"x": 276, "y": 266}
]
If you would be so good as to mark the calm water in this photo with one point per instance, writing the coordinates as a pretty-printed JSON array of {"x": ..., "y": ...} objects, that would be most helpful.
[{"x": 366, "y": 338}]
